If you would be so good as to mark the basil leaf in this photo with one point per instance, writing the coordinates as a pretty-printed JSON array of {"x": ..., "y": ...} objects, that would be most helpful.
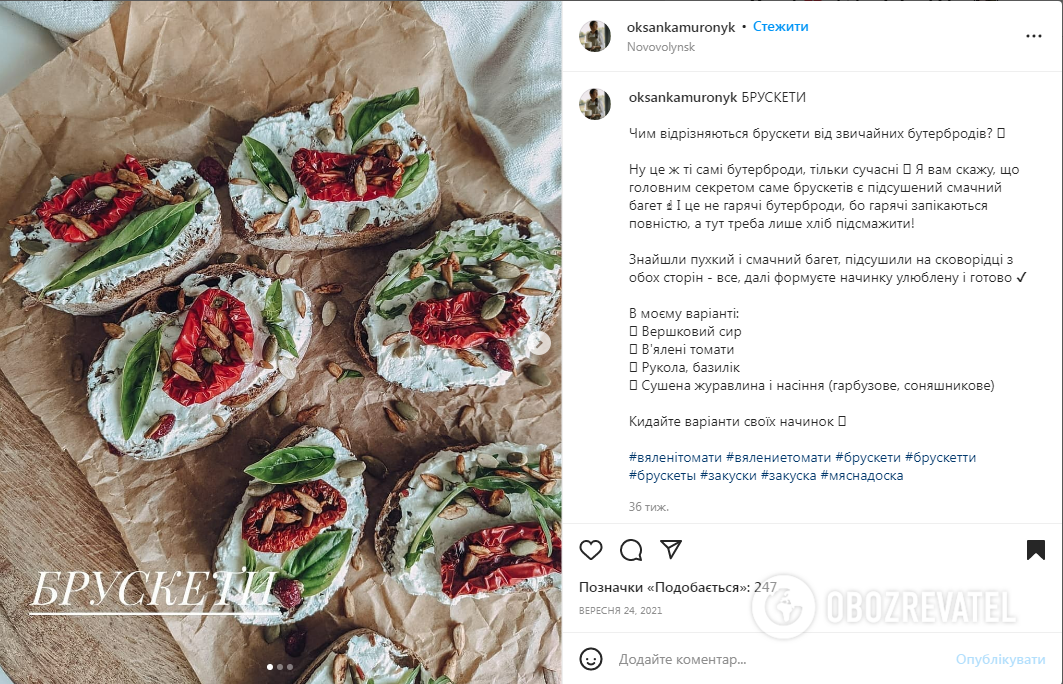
[
  {"x": 147, "y": 233},
  {"x": 260, "y": 578},
  {"x": 374, "y": 112},
  {"x": 138, "y": 377},
  {"x": 284, "y": 338},
  {"x": 250, "y": 559},
  {"x": 274, "y": 303},
  {"x": 413, "y": 554},
  {"x": 268, "y": 169},
  {"x": 405, "y": 288},
  {"x": 318, "y": 562},
  {"x": 412, "y": 177},
  {"x": 349, "y": 374},
  {"x": 294, "y": 464},
  {"x": 391, "y": 313}
]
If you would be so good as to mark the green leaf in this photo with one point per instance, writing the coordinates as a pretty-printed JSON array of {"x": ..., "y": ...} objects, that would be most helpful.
[
  {"x": 250, "y": 559},
  {"x": 260, "y": 578},
  {"x": 318, "y": 562},
  {"x": 529, "y": 250},
  {"x": 294, "y": 464},
  {"x": 138, "y": 377},
  {"x": 411, "y": 676},
  {"x": 423, "y": 540},
  {"x": 405, "y": 288},
  {"x": 274, "y": 303},
  {"x": 268, "y": 168},
  {"x": 284, "y": 338},
  {"x": 412, "y": 176},
  {"x": 147, "y": 233},
  {"x": 347, "y": 373},
  {"x": 374, "y": 112},
  {"x": 392, "y": 312}
]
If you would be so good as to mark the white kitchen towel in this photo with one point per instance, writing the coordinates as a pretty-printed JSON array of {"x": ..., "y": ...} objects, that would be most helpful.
[{"x": 507, "y": 56}]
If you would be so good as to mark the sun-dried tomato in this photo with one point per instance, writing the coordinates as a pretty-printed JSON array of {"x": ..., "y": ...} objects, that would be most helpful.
[
  {"x": 102, "y": 219},
  {"x": 455, "y": 322},
  {"x": 498, "y": 568},
  {"x": 329, "y": 176},
  {"x": 287, "y": 536},
  {"x": 228, "y": 314},
  {"x": 500, "y": 354}
]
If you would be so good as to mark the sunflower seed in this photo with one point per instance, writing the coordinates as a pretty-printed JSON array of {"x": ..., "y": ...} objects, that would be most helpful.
[
  {"x": 279, "y": 403},
  {"x": 258, "y": 446},
  {"x": 284, "y": 264},
  {"x": 344, "y": 437},
  {"x": 484, "y": 285},
  {"x": 516, "y": 458},
  {"x": 478, "y": 550},
  {"x": 339, "y": 127},
  {"x": 470, "y": 358},
  {"x": 532, "y": 292},
  {"x": 450, "y": 668},
  {"x": 464, "y": 414},
  {"x": 349, "y": 605},
  {"x": 33, "y": 247},
  {"x": 374, "y": 466},
  {"x": 328, "y": 313},
  {"x": 227, "y": 258},
  {"x": 77, "y": 368},
  {"x": 237, "y": 400},
  {"x": 469, "y": 564},
  {"x": 218, "y": 420},
  {"x": 406, "y": 411},
  {"x": 546, "y": 462},
  {"x": 432, "y": 481},
  {"x": 265, "y": 223},
  {"x": 386, "y": 127},
  {"x": 210, "y": 355},
  {"x": 440, "y": 290},
  {"x": 313, "y": 217},
  {"x": 257, "y": 261},
  {"x": 308, "y": 502},
  {"x": 401, "y": 350},
  {"x": 396, "y": 420},
  {"x": 287, "y": 368},
  {"x": 300, "y": 303},
  {"x": 448, "y": 273},
  {"x": 393, "y": 152},
  {"x": 340, "y": 102},
  {"x": 287, "y": 517},
  {"x": 416, "y": 271},
  {"x": 294, "y": 227},
  {"x": 334, "y": 369},
  {"x": 492, "y": 307},
  {"x": 339, "y": 669},
  {"x": 359, "y": 182},
  {"x": 357, "y": 562},
  {"x": 114, "y": 331},
  {"x": 504, "y": 269},
  {"x": 351, "y": 469},
  {"x": 547, "y": 487},
  {"x": 459, "y": 465},
  {"x": 525, "y": 547},
  {"x": 308, "y": 414},
  {"x": 537, "y": 375},
  {"x": 486, "y": 461},
  {"x": 24, "y": 220},
  {"x": 12, "y": 271},
  {"x": 358, "y": 220},
  {"x": 242, "y": 181},
  {"x": 216, "y": 336},
  {"x": 519, "y": 282},
  {"x": 325, "y": 135},
  {"x": 395, "y": 337},
  {"x": 329, "y": 288}
]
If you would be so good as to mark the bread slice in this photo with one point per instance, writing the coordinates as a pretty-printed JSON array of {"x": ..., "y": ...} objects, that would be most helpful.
[
  {"x": 404, "y": 497},
  {"x": 414, "y": 371},
  {"x": 166, "y": 304},
  {"x": 359, "y": 641},
  {"x": 294, "y": 128},
  {"x": 111, "y": 290},
  {"x": 228, "y": 556}
]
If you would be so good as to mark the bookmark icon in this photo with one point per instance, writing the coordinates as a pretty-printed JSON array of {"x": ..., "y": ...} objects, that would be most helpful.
[{"x": 671, "y": 546}]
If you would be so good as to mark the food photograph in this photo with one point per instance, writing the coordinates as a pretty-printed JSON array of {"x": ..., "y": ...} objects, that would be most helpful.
[{"x": 281, "y": 355}]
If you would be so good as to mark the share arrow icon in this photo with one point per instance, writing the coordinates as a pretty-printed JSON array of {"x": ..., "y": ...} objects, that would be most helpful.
[{"x": 671, "y": 546}]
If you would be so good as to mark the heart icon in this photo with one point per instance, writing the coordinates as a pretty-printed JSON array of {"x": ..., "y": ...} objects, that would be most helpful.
[{"x": 590, "y": 548}]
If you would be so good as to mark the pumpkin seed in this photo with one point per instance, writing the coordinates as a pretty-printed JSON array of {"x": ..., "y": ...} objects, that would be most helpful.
[
  {"x": 257, "y": 261},
  {"x": 210, "y": 355},
  {"x": 326, "y": 135},
  {"x": 351, "y": 469},
  {"x": 524, "y": 547},
  {"x": 463, "y": 286},
  {"x": 105, "y": 192},
  {"x": 271, "y": 633},
  {"x": 465, "y": 499},
  {"x": 278, "y": 192},
  {"x": 258, "y": 446},
  {"x": 517, "y": 458},
  {"x": 440, "y": 290},
  {"x": 328, "y": 313},
  {"x": 69, "y": 178},
  {"x": 486, "y": 461},
  {"x": 77, "y": 368},
  {"x": 33, "y": 247},
  {"x": 374, "y": 466},
  {"x": 492, "y": 307},
  {"x": 503, "y": 508},
  {"x": 406, "y": 411},
  {"x": 504, "y": 269},
  {"x": 358, "y": 220},
  {"x": 287, "y": 368},
  {"x": 537, "y": 375},
  {"x": 484, "y": 285},
  {"x": 284, "y": 264},
  {"x": 193, "y": 189},
  {"x": 279, "y": 403},
  {"x": 401, "y": 350},
  {"x": 259, "y": 488},
  {"x": 227, "y": 258},
  {"x": 476, "y": 269},
  {"x": 269, "y": 350}
]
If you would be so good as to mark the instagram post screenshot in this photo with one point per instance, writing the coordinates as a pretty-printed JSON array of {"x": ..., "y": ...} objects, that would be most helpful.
[{"x": 281, "y": 364}]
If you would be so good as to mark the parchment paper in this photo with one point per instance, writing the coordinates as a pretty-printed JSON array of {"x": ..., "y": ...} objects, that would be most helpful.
[{"x": 181, "y": 81}]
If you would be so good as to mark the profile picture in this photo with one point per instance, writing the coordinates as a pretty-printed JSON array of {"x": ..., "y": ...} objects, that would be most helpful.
[
  {"x": 595, "y": 36},
  {"x": 594, "y": 104}
]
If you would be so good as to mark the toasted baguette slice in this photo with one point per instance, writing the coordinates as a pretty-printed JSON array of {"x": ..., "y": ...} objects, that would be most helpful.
[
  {"x": 379, "y": 658},
  {"x": 229, "y": 557},
  {"x": 294, "y": 128},
  {"x": 430, "y": 368},
  {"x": 409, "y": 502},
  {"x": 197, "y": 425},
  {"x": 117, "y": 287}
]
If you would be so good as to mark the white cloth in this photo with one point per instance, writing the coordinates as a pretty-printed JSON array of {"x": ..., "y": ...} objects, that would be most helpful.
[{"x": 507, "y": 56}]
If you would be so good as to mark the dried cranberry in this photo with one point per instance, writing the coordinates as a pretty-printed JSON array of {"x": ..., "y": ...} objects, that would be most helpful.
[
  {"x": 289, "y": 592},
  {"x": 88, "y": 206},
  {"x": 162, "y": 427},
  {"x": 499, "y": 352},
  {"x": 212, "y": 171},
  {"x": 295, "y": 642}
]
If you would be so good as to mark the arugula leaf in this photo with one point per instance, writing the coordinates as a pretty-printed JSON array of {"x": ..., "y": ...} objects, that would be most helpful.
[
  {"x": 405, "y": 288},
  {"x": 294, "y": 464},
  {"x": 318, "y": 562},
  {"x": 529, "y": 250},
  {"x": 274, "y": 303},
  {"x": 268, "y": 169},
  {"x": 147, "y": 233},
  {"x": 260, "y": 578},
  {"x": 284, "y": 338},
  {"x": 138, "y": 377},
  {"x": 413, "y": 175},
  {"x": 348, "y": 373},
  {"x": 391, "y": 313},
  {"x": 372, "y": 113}
]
